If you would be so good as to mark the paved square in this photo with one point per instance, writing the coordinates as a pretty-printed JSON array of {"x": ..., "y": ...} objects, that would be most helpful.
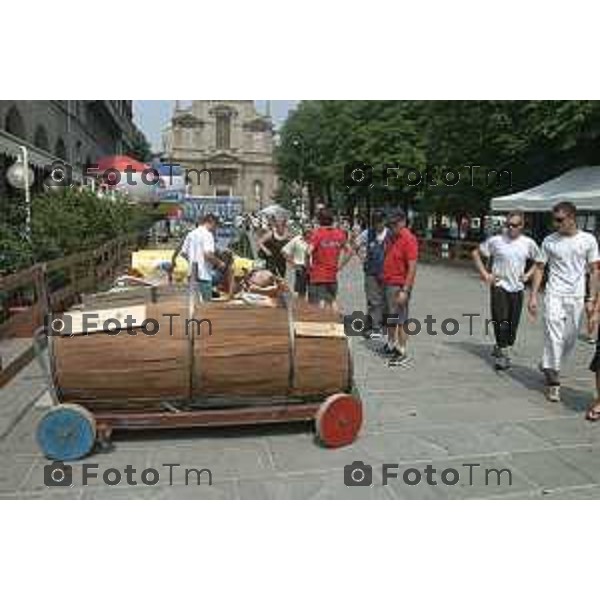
[{"x": 450, "y": 408}]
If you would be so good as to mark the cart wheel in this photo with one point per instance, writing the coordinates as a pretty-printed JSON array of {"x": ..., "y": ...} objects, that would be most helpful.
[
  {"x": 338, "y": 420},
  {"x": 66, "y": 432}
]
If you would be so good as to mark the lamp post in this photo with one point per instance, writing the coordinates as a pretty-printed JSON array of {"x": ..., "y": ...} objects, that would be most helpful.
[
  {"x": 20, "y": 175},
  {"x": 298, "y": 143}
]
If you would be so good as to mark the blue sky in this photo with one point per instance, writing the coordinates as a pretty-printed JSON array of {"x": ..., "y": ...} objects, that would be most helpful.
[{"x": 152, "y": 116}]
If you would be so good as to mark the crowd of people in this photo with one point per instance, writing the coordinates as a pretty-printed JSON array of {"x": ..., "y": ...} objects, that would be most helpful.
[{"x": 315, "y": 254}]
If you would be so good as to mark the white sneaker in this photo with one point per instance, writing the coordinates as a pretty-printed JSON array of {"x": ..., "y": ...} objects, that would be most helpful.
[{"x": 553, "y": 393}]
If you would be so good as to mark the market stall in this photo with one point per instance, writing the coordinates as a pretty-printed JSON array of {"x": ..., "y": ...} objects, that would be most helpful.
[{"x": 580, "y": 186}]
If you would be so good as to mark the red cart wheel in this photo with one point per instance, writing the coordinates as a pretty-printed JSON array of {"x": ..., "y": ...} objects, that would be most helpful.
[{"x": 338, "y": 420}]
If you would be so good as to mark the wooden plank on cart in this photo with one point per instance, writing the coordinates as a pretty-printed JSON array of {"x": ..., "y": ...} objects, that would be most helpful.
[{"x": 319, "y": 330}]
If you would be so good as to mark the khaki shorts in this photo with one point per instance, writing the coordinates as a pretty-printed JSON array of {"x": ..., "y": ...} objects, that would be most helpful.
[{"x": 395, "y": 314}]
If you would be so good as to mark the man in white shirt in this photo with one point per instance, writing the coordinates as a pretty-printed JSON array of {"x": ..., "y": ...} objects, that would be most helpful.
[
  {"x": 568, "y": 253},
  {"x": 198, "y": 248},
  {"x": 296, "y": 255},
  {"x": 509, "y": 253}
]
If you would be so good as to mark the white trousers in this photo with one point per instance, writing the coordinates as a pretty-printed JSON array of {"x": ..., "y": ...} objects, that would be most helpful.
[{"x": 562, "y": 320}]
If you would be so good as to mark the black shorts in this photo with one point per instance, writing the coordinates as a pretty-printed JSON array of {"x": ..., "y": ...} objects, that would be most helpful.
[
  {"x": 326, "y": 292},
  {"x": 300, "y": 280}
]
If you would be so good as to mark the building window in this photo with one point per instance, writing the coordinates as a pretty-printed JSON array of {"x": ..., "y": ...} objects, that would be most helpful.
[
  {"x": 61, "y": 149},
  {"x": 78, "y": 153},
  {"x": 223, "y": 130},
  {"x": 258, "y": 193},
  {"x": 41, "y": 138},
  {"x": 14, "y": 123}
]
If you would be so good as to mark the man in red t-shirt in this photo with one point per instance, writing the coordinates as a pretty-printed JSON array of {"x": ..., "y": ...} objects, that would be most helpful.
[
  {"x": 399, "y": 270},
  {"x": 326, "y": 245}
]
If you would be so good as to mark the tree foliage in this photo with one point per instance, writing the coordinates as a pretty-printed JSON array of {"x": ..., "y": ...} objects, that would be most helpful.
[
  {"x": 531, "y": 140},
  {"x": 64, "y": 222}
]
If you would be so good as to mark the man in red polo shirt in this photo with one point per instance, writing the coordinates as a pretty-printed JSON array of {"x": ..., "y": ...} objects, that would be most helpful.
[
  {"x": 399, "y": 270},
  {"x": 327, "y": 244}
]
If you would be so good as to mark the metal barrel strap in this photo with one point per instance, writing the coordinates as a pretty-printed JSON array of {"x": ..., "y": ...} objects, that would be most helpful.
[
  {"x": 48, "y": 366},
  {"x": 292, "y": 340},
  {"x": 350, "y": 367},
  {"x": 191, "y": 345}
]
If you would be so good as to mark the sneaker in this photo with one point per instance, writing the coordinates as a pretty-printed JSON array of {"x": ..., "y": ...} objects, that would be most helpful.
[
  {"x": 397, "y": 359},
  {"x": 591, "y": 341},
  {"x": 367, "y": 334},
  {"x": 502, "y": 362},
  {"x": 387, "y": 350},
  {"x": 496, "y": 352},
  {"x": 553, "y": 393}
]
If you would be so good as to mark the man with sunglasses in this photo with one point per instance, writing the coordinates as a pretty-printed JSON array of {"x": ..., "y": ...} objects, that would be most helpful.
[
  {"x": 509, "y": 253},
  {"x": 568, "y": 254}
]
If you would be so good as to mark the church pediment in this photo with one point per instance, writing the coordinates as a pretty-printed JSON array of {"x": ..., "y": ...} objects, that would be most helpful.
[
  {"x": 224, "y": 157},
  {"x": 223, "y": 109}
]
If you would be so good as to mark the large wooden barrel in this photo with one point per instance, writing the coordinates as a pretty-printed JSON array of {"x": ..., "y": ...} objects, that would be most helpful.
[{"x": 232, "y": 354}]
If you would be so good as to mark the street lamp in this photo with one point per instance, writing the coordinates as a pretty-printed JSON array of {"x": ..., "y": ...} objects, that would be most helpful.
[
  {"x": 20, "y": 175},
  {"x": 298, "y": 143}
]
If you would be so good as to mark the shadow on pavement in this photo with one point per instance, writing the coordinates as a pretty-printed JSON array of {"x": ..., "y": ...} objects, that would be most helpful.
[
  {"x": 531, "y": 379},
  {"x": 232, "y": 432},
  {"x": 375, "y": 347}
]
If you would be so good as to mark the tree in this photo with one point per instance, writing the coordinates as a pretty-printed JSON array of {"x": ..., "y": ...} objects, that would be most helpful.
[
  {"x": 66, "y": 221},
  {"x": 460, "y": 153}
]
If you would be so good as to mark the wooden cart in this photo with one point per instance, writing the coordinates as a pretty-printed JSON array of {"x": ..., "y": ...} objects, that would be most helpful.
[{"x": 235, "y": 364}]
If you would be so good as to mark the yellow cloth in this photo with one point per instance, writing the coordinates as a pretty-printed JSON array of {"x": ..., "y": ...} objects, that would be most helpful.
[
  {"x": 153, "y": 265},
  {"x": 241, "y": 266}
]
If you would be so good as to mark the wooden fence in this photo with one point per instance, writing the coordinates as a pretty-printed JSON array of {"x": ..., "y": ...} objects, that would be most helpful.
[{"x": 28, "y": 295}]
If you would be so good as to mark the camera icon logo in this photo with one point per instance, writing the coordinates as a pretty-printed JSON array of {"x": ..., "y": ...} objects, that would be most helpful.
[
  {"x": 57, "y": 474},
  {"x": 358, "y": 174},
  {"x": 58, "y": 325},
  {"x": 357, "y": 323},
  {"x": 61, "y": 175},
  {"x": 358, "y": 474}
]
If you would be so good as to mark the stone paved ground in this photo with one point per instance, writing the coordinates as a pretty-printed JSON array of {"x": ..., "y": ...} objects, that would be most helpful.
[{"x": 449, "y": 409}]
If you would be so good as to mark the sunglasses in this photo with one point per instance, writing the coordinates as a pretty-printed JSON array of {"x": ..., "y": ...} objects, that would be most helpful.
[{"x": 514, "y": 225}]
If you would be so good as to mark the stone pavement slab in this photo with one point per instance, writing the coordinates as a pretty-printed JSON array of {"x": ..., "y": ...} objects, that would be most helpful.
[
  {"x": 19, "y": 395},
  {"x": 447, "y": 409}
]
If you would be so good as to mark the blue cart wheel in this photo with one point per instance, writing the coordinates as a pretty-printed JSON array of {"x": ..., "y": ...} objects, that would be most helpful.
[{"x": 66, "y": 432}]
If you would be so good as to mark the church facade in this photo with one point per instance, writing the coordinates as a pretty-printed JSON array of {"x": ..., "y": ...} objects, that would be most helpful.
[{"x": 226, "y": 146}]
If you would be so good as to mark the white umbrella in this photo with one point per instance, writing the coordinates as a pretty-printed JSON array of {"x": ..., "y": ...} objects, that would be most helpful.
[{"x": 276, "y": 211}]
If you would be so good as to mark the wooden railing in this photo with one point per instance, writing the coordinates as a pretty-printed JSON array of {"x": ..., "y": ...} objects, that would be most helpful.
[{"x": 28, "y": 295}]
